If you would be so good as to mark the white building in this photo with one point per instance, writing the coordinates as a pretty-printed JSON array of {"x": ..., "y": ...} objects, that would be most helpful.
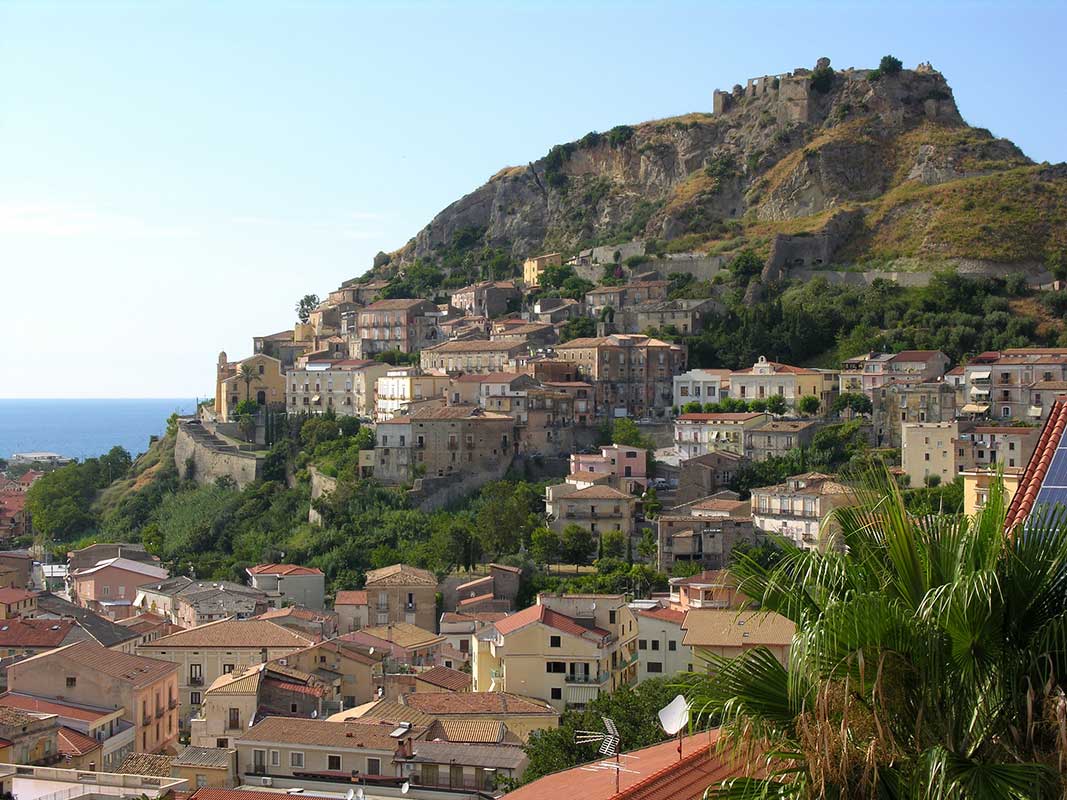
[
  {"x": 659, "y": 643},
  {"x": 701, "y": 386},
  {"x": 345, "y": 386}
]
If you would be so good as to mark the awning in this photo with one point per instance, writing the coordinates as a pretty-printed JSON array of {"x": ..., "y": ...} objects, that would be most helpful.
[
  {"x": 975, "y": 408},
  {"x": 979, "y": 392},
  {"x": 582, "y": 694},
  {"x": 1035, "y": 411},
  {"x": 316, "y": 399},
  {"x": 980, "y": 375}
]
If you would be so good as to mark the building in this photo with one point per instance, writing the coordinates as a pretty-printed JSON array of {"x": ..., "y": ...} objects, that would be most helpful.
[
  {"x": 632, "y": 374},
  {"x": 596, "y": 508},
  {"x": 707, "y": 474},
  {"x": 402, "y": 593},
  {"x": 459, "y": 626},
  {"x": 96, "y": 628},
  {"x": 497, "y": 591},
  {"x": 206, "y": 767},
  {"x": 659, "y": 643},
  {"x": 442, "y": 679},
  {"x": 624, "y": 467},
  {"x": 289, "y": 584},
  {"x": 20, "y": 637},
  {"x": 978, "y": 483},
  {"x": 896, "y": 403},
  {"x": 1017, "y": 383},
  {"x": 149, "y": 626},
  {"x": 441, "y": 441},
  {"x": 29, "y": 739},
  {"x": 111, "y": 735},
  {"x": 1040, "y": 486},
  {"x": 93, "y": 554},
  {"x": 188, "y": 603},
  {"x": 259, "y": 378},
  {"x": 867, "y": 373},
  {"x": 316, "y": 625},
  {"x": 712, "y": 588},
  {"x": 110, "y": 587},
  {"x": 704, "y": 532},
  {"x": 699, "y": 434},
  {"x": 638, "y": 293},
  {"x": 404, "y": 644},
  {"x": 777, "y": 437},
  {"x": 701, "y": 386},
  {"x": 487, "y": 298},
  {"x": 286, "y": 346},
  {"x": 799, "y": 508},
  {"x": 29, "y": 782},
  {"x": 682, "y": 316},
  {"x": 767, "y": 379},
  {"x": 400, "y": 387},
  {"x": 535, "y": 335},
  {"x": 17, "y": 603},
  {"x": 345, "y": 386},
  {"x": 352, "y": 609},
  {"x": 146, "y": 689},
  {"x": 398, "y": 324},
  {"x": 564, "y": 650},
  {"x": 353, "y": 672},
  {"x": 716, "y": 633},
  {"x": 534, "y": 267},
  {"x": 202, "y": 654},
  {"x": 474, "y": 355}
]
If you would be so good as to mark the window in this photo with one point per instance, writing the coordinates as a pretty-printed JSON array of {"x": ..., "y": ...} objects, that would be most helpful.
[
  {"x": 655, "y": 666},
  {"x": 194, "y": 698},
  {"x": 642, "y": 644},
  {"x": 655, "y": 644},
  {"x": 72, "y": 681},
  {"x": 672, "y": 645},
  {"x": 557, "y": 667},
  {"x": 222, "y": 743},
  {"x": 227, "y": 669},
  {"x": 553, "y": 641},
  {"x": 275, "y": 758},
  {"x": 374, "y": 766},
  {"x": 611, "y": 617},
  {"x": 234, "y": 720},
  {"x": 201, "y": 781},
  {"x": 333, "y": 763},
  {"x": 296, "y": 759},
  {"x": 557, "y": 693},
  {"x": 292, "y": 708}
]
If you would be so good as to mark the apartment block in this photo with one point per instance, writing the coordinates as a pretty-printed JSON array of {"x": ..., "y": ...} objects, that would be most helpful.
[
  {"x": 624, "y": 467},
  {"x": 867, "y": 373},
  {"x": 896, "y": 403},
  {"x": 699, "y": 434},
  {"x": 597, "y": 508},
  {"x": 473, "y": 355},
  {"x": 799, "y": 508},
  {"x": 777, "y": 437},
  {"x": 725, "y": 633},
  {"x": 398, "y": 324},
  {"x": 948, "y": 449},
  {"x": 701, "y": 386},
  {"x": 110, "y": 586},
  {"x": 289, "y": 584},
  {"x": 703, "y": 532},
  {"x": 766, "y": 379},
  {"x": 344, "y": 386},
  {"x": 534, "y": 267},
  {"x": 638, "y": 293},
  {"x": 659, "y": 643},
  {"x": 1017, "y": 383},
  {"x": 401, "y": 387},
  {"x": 707, "y": 474},
  {"x": 402, "y": 593},
  {"x": 487, "y": 298}
]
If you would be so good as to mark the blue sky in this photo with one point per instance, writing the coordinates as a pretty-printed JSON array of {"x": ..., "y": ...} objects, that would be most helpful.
[{"x": 175, "y": 175}]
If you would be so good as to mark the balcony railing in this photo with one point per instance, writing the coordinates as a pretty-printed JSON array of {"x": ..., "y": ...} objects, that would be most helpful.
[
  {"x": 172, "y": 703},
  {"x": 256, "y": 769},
  {"x": 196, "y": 680},
  {"x": 160, "y": 711},
  {"x": 582, "y": 678}
]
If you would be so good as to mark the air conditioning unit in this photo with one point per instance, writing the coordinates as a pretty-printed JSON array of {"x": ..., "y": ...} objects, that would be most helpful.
[{"x": 266, "y": 781}]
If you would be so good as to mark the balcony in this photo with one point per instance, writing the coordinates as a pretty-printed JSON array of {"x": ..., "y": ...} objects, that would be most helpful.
[
  {"x": 382, "y": 608},
  {"x": 172, "y": 703},
  {"x": 581, "y": 678},
  {"x": 160, "y": 711},
  {"x": 196, "y": 680},
  {"x": 146, "y": 719},
  {"x": 255, "y": 769}
]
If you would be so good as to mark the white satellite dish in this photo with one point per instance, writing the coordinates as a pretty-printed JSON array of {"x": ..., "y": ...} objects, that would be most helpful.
[
  {"x": 314, "y": 714},
  {"x": 359, "y": 793},
  {"x": 370, "y": 652},
  {"x": 350, "y": 794},
  {"x": 674, "y": 716},
  {"x": 405, "y": 787}
]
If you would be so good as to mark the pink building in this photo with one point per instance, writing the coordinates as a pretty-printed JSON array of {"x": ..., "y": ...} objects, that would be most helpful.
[
  {"x": 626, "y": 466},
  {"x": 110, "y": 586},
  {"x": 403, "y": 643},
  {"x": 712, "y": 588}
]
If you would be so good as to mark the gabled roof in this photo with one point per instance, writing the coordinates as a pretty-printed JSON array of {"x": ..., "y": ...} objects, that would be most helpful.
[
  {"x": 43, "y": 705},
  {"x": 349, "y": 735},
  {"x": 402, "y": 634},
  {"x": 234, "y": 633},
  {"x": 725, "y": 627},
  {"x": 9, "y": 595},
  {"x": 146, "y": 764},
  {"x": 20, "y": 632},
  {"x": 917, "y": 355},
  {"x": 400, "y": 575},
  {"x": 128, "y": 565},
  {"x": 102, "y": 630},
  {"x": 70, "y": 742},
  {"x": 457, "y": 703},
  {"x": 663, "y": 614},
  {"x": 350, "y": 597},
  {"x": 283, "y": 569},
  {"x": 211, "y": 757},
  {"x": 726, "y": 416},
  {"x": 138, "y": 671},
  {"x": 1037, "y": 469},
  {"x": 546, "y": 616},
  {"x": 451, "y": 680},
  {"x": 598, "y": 493}
]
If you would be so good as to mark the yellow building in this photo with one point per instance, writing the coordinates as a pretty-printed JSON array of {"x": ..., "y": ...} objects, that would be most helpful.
[
  {"x": 258, "y": 378},
  {"x": 534, "y": 267},
  {"x": 765, "y": 379},
  {"x": 976, "y": 484},
  {"x": 402, "y": 386},
  {"x": 566, "y": 650},
  {"x": 727, "y": 633}
]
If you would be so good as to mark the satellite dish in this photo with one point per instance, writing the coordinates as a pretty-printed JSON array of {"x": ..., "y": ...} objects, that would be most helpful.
[
  {"x": 594, "y": 606},
  {"x": 350, "y": 794},
  {"x": 674, "y": 716},
  {"x": 251, "y": 722},
  {"x": 405, "y": 787},
  {"x": 359, "y": 793},
  {"x": 314, "y": 714}
]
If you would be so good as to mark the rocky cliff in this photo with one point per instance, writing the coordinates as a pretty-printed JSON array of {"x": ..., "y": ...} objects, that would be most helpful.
[{"x": 779, "y": 155}]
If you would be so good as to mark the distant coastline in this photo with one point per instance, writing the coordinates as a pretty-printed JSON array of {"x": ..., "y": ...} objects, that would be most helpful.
[{"x": 84, "y": 428}]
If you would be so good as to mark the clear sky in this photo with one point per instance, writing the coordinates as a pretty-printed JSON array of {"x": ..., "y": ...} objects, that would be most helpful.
[{"x": 175, "y": 175}]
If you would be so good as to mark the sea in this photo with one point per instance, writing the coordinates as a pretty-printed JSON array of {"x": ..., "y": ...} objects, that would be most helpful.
[{"x": 84, "y": 428}]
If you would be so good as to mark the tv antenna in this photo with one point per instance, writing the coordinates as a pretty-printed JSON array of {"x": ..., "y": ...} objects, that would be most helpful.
[{"x": 609, "y": 746}]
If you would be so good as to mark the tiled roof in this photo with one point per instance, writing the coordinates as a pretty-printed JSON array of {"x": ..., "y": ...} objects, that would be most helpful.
[
  {"x": 34, "y": 633},
  {"x": 294, "y": 612},
  {"x": 400, "y": 575},
  {"x": 244, "y": 682},
  {"x": 709, "y": 577},
  {"x": 476, "y": 600},
  {"x": 785, "y": 426},
  {"x": 74, "y": 743},
  {"x": 665, "y": 614},
  {"x": 374, "y": 735},
  {"x": 350, "y": 650},
  {"x": 283, "y": 569},
  {"x": 42, "y": 705},
  {"x": 445, "y": 703},
  {"x": 146, "y": 764},
  {"x": 212, "y": 757},
  {"x": 485, "y": 756},
  {"x": 726, "y": 416},
  {"x": 449, "y": 679},
  {"x": 916, "y": 355},
  {"x": 1030, "y": 484},
  {"x": 485, "y": 731},
  {"x": 487, "y": 617},
  {"x": 15, "y": 717},
  {"x": 721, "y": 504},
  {"x": 473, "y": 346},
  {"x": 546, "y": 616},
  {"x": 103, "y": 630},
  {"x": 598, "y": 493},
  {"x": 136, "y": 670},
  {"x": 395, "y": 304},
  {"x": 385, "y": 710},
  {"x": 403, "y": 634},
  {"x": 506, "y": 568},
  {"x": 779, "y": 369},
  {"x": 351, "y": 597},
  {"x": 127, "y": 565},
  {"x": 724, "y": 627},
  {"x": 234, "y": 633}
]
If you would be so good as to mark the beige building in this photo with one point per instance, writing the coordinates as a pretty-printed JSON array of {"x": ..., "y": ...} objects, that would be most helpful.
[
  {"x": 701, "y": 386},
  {"x": 659, "y": 643},
  {"x": 799, "y": 508},
  {"x": 402, "y": 593},
  {"x": 345, "y": 386},
  {"x": 534, "y": 267},
  {"x": 1017, "y": 383},
  {"x": 474, "y": 355},
  {"x": 596, "y": 508},
  {"x": 897, "y": 403},
  {"x": 400, "y": 387},
  {"x": 566, "y": 650},
  {"x": 352, "y": 608},
  {"x": 206, "y": 767},
  {"x": 703, "y": 532},
  {"x": 397, "y": 324},
  {"x": 353, "y": 672},
  {"x": 265, "y": 384},
  {"x": 767, "y": 379},
  {"x": 487, "y": 298},
  {"x": 289, "y": 584},
  {"x": 977, "y": 484},
  {"x": 219, "y": 648},
  {"x": 698, "y": 434},
  {"x": 725, "y": 633},
  {"x": 948, "y": 449}
]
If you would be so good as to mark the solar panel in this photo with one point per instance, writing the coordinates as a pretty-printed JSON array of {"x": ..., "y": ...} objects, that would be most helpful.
[
  {"x": 1051, "y": 495},
  {"x": 1057, "y": 470}
]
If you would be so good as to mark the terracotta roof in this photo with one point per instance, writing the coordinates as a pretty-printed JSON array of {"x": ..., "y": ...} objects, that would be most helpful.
[
  {"x": 294, "y": 612},
  {"x": 402, "y": 634},
  {"x": 70, "y": 742},
  {"x": 721, "y": 504},
  {"x": 786, "y": 426},
  {"x": 487, "y": 617},
  {"x": 387, "y": 710},
  {"x": 817, "y": 483},
  {"x": 127, "y": 565},
  {"x": 445, "y": 703},
  {"x": 350, "y": 597},
  {"x": 779, "y": 368},
  {"x": 546, "y": 616},
  {"x": 490, "y": 377},
  {"x": 42, "y": 705},
  {"x": 34, "y": 633},
  {"x": 473, "y": 346},
  {"x": 451, "y": 680},
  {"x": 484, "y": 731},
  {"x": 234, "y": 633},
  {"x": 476, "y": 600},
  {"x": 1036, "y": 470},
  {"x": 211, "y": 757},
  {"x": 374, "y": 735},
  {"x": 726, "y": 416},
  {"x": 400, "y": 575},
  {"x": 146, "y": 764},
  {"x": 506, "y": 568},
  {"x": 917, "y": 355},
  {"x": 598, "y": 493},
  {"x": 246, "y": 681},
  {"x": 725, "y": 627},
  {"x": 15, "y": 717},
  {"x": 283, "y": 569},
  {"x": 395, "y": 304},
  {"x": 712, "y": 577},
  {"x": 349, "y": 650},
  {"x": 664, "y": 614},
  {"x": 485, "y": 756}
]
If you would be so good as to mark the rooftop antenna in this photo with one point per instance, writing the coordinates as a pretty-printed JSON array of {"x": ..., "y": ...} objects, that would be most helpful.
[
  {"x": 673, "y": 718},
  {"x": 609, "y": 746}
]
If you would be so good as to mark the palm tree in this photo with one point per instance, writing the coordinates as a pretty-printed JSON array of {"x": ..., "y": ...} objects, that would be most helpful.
[
  {"x": 929, "y": 661},
  {"x": 248, "y": 373}
]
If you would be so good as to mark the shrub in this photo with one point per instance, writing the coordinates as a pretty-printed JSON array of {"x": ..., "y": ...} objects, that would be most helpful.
[
  {"x": 619, "y": 135},
  {"x": 889, "y": 65},
  {"x": 822, "y": 79},
  {"x": 246, "y": 408}
]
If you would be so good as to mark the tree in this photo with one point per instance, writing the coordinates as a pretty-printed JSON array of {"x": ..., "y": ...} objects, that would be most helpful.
[
  {"x": 555, "y": 275},
  {"x": 746, "y": 264},
  {"x": 889, "y": 65},
  {"x": 501, "y": 518},
  {"x": 575, "y": 288},
  {"x": 305, "y": 306},
  {"x": 577, "y": 328},
  {"x": 576, "y": 545},
  {"x": 929, "y": 659},
  {"x": 808, "y": 405},
  {"x": 647, "y": 547},
  {"x": 652, "y": 503},
  {"x": 248, "y": 374},
  {"x": 855, "y": 402},
  {"x": 116, "y": 464},
  {"x": 612, "y": 544},
  {"x": 545, "y": 546},
  {"x": 776, "y": 404}
]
